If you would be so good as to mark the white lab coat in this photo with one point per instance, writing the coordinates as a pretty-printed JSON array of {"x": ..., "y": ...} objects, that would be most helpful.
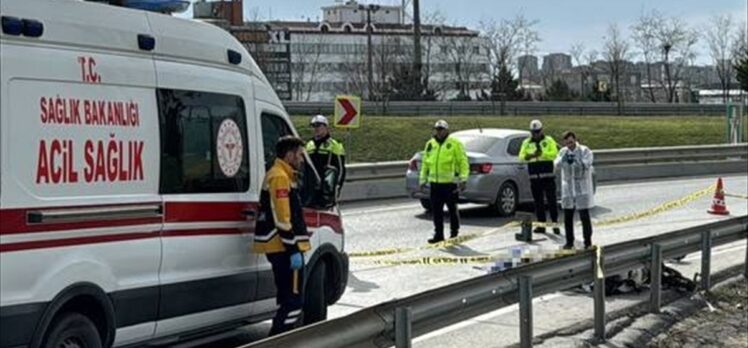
[{"x": 576, "y": 178}]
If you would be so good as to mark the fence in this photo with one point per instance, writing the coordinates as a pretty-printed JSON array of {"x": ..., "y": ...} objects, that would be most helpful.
[
  {"x": 396, "y": 321},
  {"x": 510, "y": 108}
]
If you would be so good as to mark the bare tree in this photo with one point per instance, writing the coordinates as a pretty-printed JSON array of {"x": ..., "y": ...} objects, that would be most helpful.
[
  {"x": 461, "y": 53},
  {"x": 307, "y": 67},
  {"x": 577, "y": 52},
  {"x": 506, "y": 39},
  {"x": 645, "y": 37},
  {"x": 616, "y": 54},
  {"x": 719, "y": 37},
  {"x": 676, "y": 40}
]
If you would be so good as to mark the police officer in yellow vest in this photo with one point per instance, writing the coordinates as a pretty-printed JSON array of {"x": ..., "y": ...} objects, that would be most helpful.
[
  {"x": 539, "y": 151},
  {"x": 281, "y": 233},
  {"x": 327, "y": 154},
  {"x": 445, "y": 168}
]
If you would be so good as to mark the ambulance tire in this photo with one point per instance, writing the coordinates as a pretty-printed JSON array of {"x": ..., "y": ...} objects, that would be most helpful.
[
  {"x": 426, "y": 204},
  {"x": 315, "y": 304},
  {"x": 73, "y": 330}
]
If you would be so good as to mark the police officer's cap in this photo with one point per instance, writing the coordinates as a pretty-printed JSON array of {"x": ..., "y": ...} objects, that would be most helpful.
[
  {"x": 536, "y": 125},
  {"x": 319, "y": 119}
]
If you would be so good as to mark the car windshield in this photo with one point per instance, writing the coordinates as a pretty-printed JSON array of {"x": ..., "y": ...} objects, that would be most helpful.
[{"x": 477, "y": 143}]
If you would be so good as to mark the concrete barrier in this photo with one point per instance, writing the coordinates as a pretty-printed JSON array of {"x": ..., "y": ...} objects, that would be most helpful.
[{"x": 370, "y": 181}]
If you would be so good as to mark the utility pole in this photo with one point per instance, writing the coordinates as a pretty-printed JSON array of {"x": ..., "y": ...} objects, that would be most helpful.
[
  {"x": 370, "y": 70},
  {"x": 417, "y": 64}
]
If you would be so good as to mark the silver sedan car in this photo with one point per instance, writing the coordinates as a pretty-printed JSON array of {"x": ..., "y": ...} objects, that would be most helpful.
[{"x": 497, "y": 177}]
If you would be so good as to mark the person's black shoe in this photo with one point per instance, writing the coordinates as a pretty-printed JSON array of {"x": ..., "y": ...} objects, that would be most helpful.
[
  {"x": 454, "y": 234},
  {"x": 587, "y": 246},
  {"x": 556, "y": 230},
  {"x": 436, "y": 239},
  {"x": 539, "y": 230},
  {"x": 568, "y": 246}
]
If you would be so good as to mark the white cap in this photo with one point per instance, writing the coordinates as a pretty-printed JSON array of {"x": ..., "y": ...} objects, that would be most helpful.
[
  {"x": 319, "y": 119},
  {"x": 441, "y": 124},
  {"x": 536, "y": 125}
]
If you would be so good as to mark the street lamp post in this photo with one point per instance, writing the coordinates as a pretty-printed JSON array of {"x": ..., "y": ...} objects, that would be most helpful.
[{"x": 369, "y": 70}]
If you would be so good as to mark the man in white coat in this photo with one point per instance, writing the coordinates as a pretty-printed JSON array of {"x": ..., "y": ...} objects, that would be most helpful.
[{"x": 574, "y": 161}]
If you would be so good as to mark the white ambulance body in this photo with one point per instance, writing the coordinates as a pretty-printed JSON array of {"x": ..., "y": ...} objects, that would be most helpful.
[{"x": 132, "y": 151}]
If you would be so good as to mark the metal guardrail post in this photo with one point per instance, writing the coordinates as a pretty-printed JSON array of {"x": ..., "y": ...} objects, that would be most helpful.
[
  {"x": 655, "y": 273},
  {"x": 402, "y": 327},
  {"x": 525, "y": 311},
  {"x": 706, "y": 256},
  {"x": 745, "y": 268},
  {"x": 599, "y": 292}
]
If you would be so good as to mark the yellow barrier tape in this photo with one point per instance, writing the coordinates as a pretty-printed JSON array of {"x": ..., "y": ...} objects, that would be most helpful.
[
  {"x": 656, "y": 210},
  {"x": 467, "y": 237},
  {"x": 464, "y": 260}
]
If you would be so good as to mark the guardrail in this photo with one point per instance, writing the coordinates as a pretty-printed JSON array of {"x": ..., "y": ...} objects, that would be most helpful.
[
  {"x": 394, "y": 322},
  {"x": 386, "y": 179},
  {"x": 417, "y": 108}
]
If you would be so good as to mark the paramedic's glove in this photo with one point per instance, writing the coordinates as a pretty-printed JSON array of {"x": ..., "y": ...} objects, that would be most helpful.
[
  {"x": 296, "y": 261},
  {"x": 570, "y": 157}
]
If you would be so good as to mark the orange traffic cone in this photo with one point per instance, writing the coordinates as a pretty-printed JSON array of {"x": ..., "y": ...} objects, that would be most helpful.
[{"x": 718, "y": 204}]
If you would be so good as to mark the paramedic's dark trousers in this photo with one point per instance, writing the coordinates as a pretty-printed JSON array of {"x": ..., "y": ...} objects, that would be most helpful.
[
  {"x": 544, "y": 188},
  {"x": 584, "y": 215},
  {"x": 442, "y": 194},
  {"x": 289, "y": 296}
]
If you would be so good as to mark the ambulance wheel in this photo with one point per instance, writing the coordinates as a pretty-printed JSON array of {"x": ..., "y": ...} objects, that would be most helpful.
[
  {"x": 73, "y": 330},
  {"x": 426, "y": 204},
  {"x": 315, "y": 304},
  {"x": 507, "y": 200}
]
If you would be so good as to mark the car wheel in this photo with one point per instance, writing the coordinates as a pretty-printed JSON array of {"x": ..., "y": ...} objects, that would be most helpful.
[
  {"x": 426, "y": 204},
  {"x": 73, "y": 330},
  {"x": 315, "y": 305},
  {"x": 507, "y": 200}
]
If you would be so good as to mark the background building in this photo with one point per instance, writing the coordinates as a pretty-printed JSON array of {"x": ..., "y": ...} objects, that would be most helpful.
[{"x": 314, "y": 61}]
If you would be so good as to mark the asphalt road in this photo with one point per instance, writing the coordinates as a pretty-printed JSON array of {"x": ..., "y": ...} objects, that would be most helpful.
[{"x": 383, "y": 225}]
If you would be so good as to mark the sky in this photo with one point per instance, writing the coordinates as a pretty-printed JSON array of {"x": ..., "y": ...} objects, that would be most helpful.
[{"x": 561, "y": 23}]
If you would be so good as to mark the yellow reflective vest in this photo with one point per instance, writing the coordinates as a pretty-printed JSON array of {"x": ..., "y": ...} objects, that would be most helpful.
[
  {"x": 548, "y": 149},
  {"x": 280, "y": 226},
  {"x": 444, "y": 163}
]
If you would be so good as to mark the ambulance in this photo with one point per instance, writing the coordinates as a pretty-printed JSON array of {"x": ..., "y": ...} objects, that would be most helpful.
[{"x": 133, "y": 146}]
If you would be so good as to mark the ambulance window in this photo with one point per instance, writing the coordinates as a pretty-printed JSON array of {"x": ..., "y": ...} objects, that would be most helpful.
[
  {"x": 203, "y": 142},
  {"x": 273, "y": 127}
]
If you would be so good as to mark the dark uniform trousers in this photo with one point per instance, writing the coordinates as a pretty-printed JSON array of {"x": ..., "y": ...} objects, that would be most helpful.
[
  {"x": 442, "y": 194},
  {"x": 584, "y": 215},
  {"x": 289, "y": 285},
  {"x": 544, "y": 188}
]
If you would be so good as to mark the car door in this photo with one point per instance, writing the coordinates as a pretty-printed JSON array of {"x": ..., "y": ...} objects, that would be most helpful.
[
  {"x": 210, "y": 195},
  {"x": 519, "y": 168}
]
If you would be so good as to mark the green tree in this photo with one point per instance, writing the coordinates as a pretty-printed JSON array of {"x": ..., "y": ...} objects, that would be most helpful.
[
  {"x": 503, "y": 86},
  {"x": 559, "y": 91}
]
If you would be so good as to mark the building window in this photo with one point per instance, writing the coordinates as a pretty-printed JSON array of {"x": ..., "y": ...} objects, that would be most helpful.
[
  {"x": 347, "y": 28},
  {"x": 438, "y": 31},
  {"x": 476, "y": 49},
  {"x": 204, "y": 147},
  {"x": 324, "y": 28},
  {"x": 444, "y": 49}
]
